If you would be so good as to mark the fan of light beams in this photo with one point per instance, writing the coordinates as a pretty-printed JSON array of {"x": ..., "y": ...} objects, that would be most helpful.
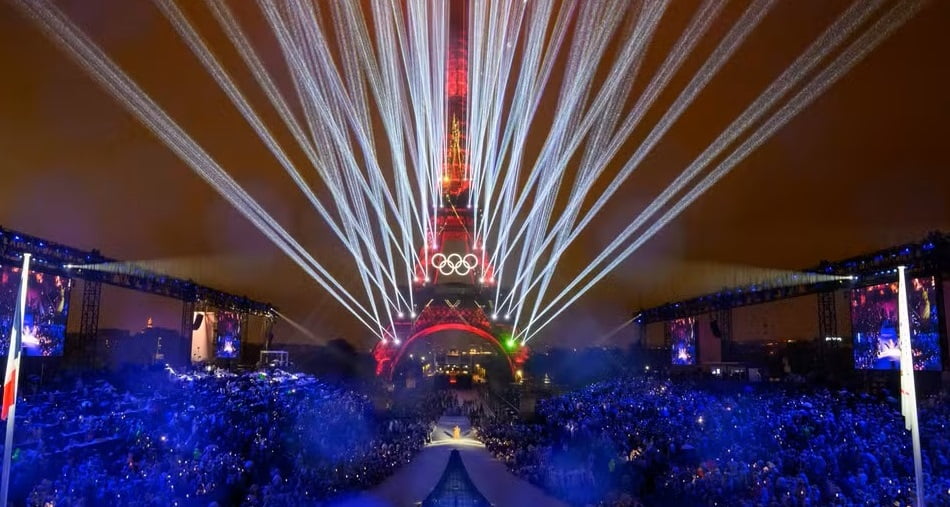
[{"x": 368, "y": 111}]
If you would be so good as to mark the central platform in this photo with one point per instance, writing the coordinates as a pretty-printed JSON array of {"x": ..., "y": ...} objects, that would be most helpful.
[{"x": 416, "y": 481}]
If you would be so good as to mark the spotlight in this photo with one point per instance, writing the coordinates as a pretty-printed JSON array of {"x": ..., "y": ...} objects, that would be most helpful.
[
  {"x": 402, "y": 315},
  {"x": 413, "y": 315},
  {"x": 494, "y": 316},
  {"x": 396, "y": 341}
]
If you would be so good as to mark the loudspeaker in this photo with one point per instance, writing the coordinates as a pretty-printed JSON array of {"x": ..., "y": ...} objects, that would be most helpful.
[
  {"x": 714, "y": 327},
  {"x": 199, "y": 318}
]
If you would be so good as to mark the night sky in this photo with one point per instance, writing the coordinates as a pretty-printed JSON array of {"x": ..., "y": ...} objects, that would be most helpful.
[{"x": 864, "y": 167}]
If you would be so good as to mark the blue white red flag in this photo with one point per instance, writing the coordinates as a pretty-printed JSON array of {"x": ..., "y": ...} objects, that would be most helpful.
[{"x": 16, "y": 344}]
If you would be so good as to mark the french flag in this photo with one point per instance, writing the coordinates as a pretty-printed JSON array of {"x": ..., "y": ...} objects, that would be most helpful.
[{"x": 16, "y": 343}]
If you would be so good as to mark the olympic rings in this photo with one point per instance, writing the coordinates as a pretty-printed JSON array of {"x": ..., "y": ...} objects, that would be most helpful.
[{"x": 454, "y": 263}]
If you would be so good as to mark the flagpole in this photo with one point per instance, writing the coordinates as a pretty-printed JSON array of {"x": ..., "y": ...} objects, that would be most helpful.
[
  {"x": 16, "y": 337},
  {"x": 908, "y": 387}
]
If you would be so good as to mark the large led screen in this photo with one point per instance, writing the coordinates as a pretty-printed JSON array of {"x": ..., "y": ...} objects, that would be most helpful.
[
  {"x": 47, "y": 307},
  {"x": 683, "y": 338},
  {"x": 227, "y": 343},
  {"x": 875, "y": 326}
]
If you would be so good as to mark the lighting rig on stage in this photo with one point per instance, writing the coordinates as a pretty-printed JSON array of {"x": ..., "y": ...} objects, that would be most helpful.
[
  {"x": 930, "y": 256},
  {"x": 95, "y": 269}
]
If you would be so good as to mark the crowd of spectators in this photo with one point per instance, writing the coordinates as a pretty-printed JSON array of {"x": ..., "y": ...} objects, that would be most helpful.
[
  {"x": 208, "y": 438},
  {"x": 659, "y": 442}
]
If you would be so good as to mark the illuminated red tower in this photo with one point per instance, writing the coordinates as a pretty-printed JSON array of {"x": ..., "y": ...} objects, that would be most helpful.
[
  {"x": 454, "y": 282},
  {"x": 455, "y": 176}
]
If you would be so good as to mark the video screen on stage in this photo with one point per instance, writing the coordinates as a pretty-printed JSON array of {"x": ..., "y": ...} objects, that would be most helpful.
[
  {"x": 227, "y": 341},
  {"x": 683, "y": 338},
  {"x": 47, "y": 308},
  {"x": 875, "y": 326}
]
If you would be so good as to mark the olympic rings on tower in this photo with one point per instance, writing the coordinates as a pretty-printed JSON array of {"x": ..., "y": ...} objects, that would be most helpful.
[{"x": 454, "y": 264}]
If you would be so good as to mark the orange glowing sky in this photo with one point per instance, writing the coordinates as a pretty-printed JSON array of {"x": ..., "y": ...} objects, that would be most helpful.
[{"x": 864, "y": 167}]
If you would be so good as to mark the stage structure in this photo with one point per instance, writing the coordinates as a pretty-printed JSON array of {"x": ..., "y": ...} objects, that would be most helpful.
[
  {"x": 454, "y": 286},
  {"x": 929, "y": 257},
  {"x": 57, "y": 259}
]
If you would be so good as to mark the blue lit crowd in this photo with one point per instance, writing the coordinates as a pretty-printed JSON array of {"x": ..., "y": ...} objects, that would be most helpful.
[
  {"x": 209, "y": 438},
  {"x": 658, "y": 442}
]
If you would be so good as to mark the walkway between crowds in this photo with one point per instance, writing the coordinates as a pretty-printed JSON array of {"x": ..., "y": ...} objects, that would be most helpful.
[{"x": 413, "y": 482}]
